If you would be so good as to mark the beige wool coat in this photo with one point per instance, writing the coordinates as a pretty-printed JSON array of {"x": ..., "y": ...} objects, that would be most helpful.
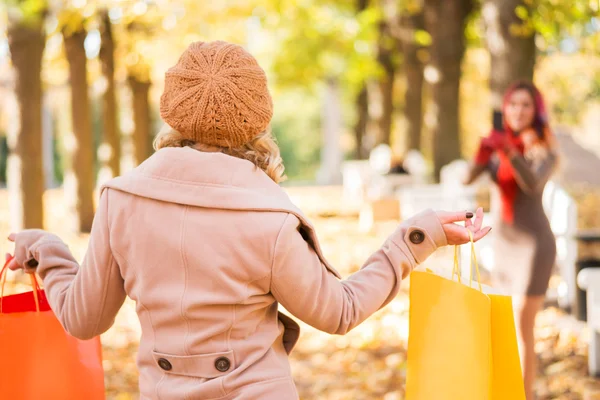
[{"x": 208, "y": 246}]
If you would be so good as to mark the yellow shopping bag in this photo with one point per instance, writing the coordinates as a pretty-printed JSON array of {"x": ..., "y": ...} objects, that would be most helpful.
[{"x": 462, "y": 341}]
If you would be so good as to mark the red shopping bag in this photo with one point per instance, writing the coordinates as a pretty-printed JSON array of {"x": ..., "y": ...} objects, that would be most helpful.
[{"x": 38, "y": 358}]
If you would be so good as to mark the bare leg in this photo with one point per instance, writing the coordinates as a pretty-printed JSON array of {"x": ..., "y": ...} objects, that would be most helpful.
[{"x": 526, "y": 310}]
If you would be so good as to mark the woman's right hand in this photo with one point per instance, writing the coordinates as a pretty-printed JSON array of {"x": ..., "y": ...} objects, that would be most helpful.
[{"x": 457, "y": 234}]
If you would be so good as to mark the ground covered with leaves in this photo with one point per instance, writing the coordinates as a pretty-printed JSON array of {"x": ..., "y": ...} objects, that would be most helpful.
[{"x": 369, "y": 362}]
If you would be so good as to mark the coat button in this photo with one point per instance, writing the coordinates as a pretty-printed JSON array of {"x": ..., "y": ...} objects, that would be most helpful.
[
  {"x": 417, "y": 237},
  {"x": 164, "y": 364},
  {"x": 222, "y": 364}
]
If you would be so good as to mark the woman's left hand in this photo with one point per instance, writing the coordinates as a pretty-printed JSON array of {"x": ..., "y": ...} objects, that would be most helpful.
[
  {"x": 529, "y": 138},
  {"x": 457, "y": 234},
  {"x": 23, "y": 242}
]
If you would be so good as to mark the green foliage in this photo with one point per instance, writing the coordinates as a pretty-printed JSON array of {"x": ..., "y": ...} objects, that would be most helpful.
[
  {"x": 301, "y": 43},
  {"x": 570, "y": 82},
  {"x": 474, "y": 28},
  {"x": 556, "y": 20},
  {"x": 522, "y": 12},
  {"x": 26, "y": 11},
  {"x": 71, "y": 20},
  {"x": 296, "y": 125},
  {"x": 58, "y": 161},
  {"x": 315, "y": 40},
  {"x": 553, "y": 20},
  {"x": 318, "y": 39},
  {"x": 422, "y": 38}
]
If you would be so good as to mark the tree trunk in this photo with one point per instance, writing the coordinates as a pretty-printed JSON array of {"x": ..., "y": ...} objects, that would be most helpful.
[
  {"x": 142, "y": 136},
  {"x": 386, "y": 45},
  {"x": 110, "y": 155},
  {"x": 362, "y": 106},
  {"x": 25, "y": 164},
  {"x": 82, "y": 152},
  {"x": 512, "y": 54},
  {"x": 386, "y": 85},
  {"x": 3, "y": 160},
  {"x": 48, "y": 141},
  {"x": 413, "y": 70},
  {"x": 445, "y": 21},
  {"x": 331, "y": 153},
  {"x": 360, "y": 127},
  {"x": 362, "y": 119}
]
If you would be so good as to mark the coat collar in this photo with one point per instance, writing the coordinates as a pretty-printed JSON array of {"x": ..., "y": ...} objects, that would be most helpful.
[{"x": 211, "y": 180}]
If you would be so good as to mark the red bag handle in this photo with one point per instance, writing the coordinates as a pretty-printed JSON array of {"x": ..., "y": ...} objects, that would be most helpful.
[{"x": 34, "y": 283}]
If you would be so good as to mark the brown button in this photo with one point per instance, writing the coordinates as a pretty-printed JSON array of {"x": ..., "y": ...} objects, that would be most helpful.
[
  {"x": 222, "y": 364},
  {"x": 165, "y": 364},
  {"x": 417, "y": 237}
]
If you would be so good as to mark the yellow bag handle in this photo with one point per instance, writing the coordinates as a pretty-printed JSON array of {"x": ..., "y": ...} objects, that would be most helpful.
[{"x": 456, "y": 268}]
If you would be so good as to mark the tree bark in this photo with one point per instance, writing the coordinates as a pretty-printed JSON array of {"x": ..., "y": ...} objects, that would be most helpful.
[
  {"x": 512, "y": 54},
  {"x": 48, "y": 141},
  {"x": 361, "y": 106},
  {"x": 331, "y": 153},
  {"x": 386, "y": 46},
  {"x": 413, "y": 70},
  {"x": 3, "y": 160},
  {"x": 362, "y": 119},
  {"x": 110, "y": 155},
  {"x": 25, "y": 165},
  {"x": 142, "y": 136},
  {"x": 82, "y": 151},
  {"x": 445, "y": 21}
]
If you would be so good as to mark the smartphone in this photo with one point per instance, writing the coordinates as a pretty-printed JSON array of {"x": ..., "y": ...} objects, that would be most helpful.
[{"x": 497, "y": 120}]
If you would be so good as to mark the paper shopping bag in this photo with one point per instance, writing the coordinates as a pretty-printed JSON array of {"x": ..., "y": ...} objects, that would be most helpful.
[
  {"x": 507, "y": 379},
  {"x": 39, "y": 359},
  {"x": 462, "y": 341}
]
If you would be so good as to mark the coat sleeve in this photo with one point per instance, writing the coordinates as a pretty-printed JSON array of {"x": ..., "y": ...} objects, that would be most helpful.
[
  {"x": 532, "y": 177},
  {"x": 85, "y": 299},
  {"x": 481, "y": 162},
  {"x": 474, "y": 171},
  {"x": 302, "y": 284}
]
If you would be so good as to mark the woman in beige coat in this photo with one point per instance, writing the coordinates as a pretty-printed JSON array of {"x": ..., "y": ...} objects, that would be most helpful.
[{"x": 207, "y": 244}]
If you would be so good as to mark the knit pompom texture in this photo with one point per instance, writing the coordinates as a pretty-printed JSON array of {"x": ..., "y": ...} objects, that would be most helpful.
[{"x": 217, "y": 95}]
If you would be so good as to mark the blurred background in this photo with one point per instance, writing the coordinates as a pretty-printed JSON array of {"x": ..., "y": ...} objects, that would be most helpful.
[{"x": 378, "y": 106}]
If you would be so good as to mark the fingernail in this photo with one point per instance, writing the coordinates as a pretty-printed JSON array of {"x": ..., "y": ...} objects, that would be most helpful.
[{"x": 469, "y": 215}]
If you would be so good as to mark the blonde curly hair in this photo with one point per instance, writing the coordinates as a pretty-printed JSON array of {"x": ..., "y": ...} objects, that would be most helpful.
[{"x": 262, "y": 151}]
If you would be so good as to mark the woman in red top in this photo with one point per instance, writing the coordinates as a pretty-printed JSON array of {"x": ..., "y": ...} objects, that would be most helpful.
[{"x": 521, "y": 157}]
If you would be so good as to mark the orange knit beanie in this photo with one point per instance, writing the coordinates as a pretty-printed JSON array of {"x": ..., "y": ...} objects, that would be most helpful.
[{"x": 217, "y": 95}]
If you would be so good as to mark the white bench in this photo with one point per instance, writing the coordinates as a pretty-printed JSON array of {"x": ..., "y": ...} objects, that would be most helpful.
[
  {"x": 562, "y": 213},
  {"x": 370, "y": 179},
  {"x": 356, "y": 175},
  {"x": 416, "y": 198},
  {"x": 561, "y": 210},
  {"x": 589, "y": 280},
  {"x": 370, "y": 188}
]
